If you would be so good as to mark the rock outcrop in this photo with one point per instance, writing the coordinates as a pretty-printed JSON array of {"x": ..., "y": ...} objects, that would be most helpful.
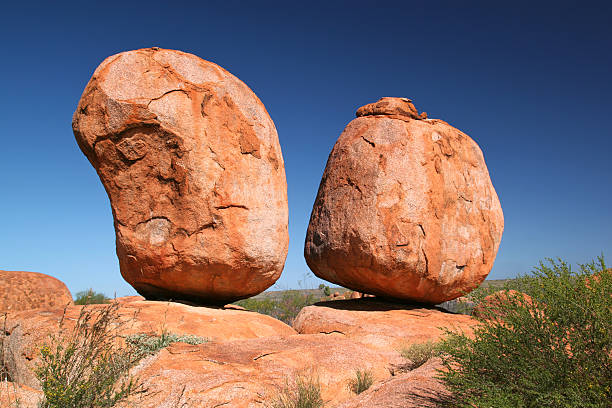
[
  {"x": 31, "y": 290},
  {"x": 250, "y": 373},
  {"x": 405, "y": 209},
  {"x": 192, "y": 165},
  {"x": 418, "y": 388},
  {"x": 379, "y": 325},
  {"x": 27, "y": 331}
]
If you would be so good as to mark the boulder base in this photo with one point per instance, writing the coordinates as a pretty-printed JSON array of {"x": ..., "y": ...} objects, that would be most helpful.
[
  {"x": 27, "y": 331},
  {"x": 380, "y": 325}
]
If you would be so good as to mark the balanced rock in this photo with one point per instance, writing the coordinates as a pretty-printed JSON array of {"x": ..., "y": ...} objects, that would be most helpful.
[
  {"x": 192, "y": 165},
  {"x": 31, "y": 290},
  {"x": 405, "y": 209}
]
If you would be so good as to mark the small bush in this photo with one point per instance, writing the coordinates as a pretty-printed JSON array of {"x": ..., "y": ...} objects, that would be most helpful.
[
  {"x": 362, "y": 381},
  {"x": 144, "y": 345},
  {"x": 87, "y": 368},
  {"x": 419, "y": 353},
  {"x": 303, "y": 392},
  {"x": 551, "y": 348},
  {"x": 89, "y": 297}
]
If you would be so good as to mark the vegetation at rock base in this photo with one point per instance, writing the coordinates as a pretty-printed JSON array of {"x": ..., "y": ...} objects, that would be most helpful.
[
  {"x": 89, "y": 365},
  {"x": 87, "y": 368},
  {"x": 4, "y": 375},
  {"x": 304, "y": 391},
  {"x": 544, "y": 342},
  {"x": 419, "y": 353},
  {"x": 285, "y": 308},
  {"x": 89, "y": 297},
  {"x": 362, "y": 381},
  {"x": 144, "y": 345}
]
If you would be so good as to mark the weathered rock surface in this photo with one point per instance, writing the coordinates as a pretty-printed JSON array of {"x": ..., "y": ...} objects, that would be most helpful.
[
  {"x": 415, "y": 389},
  {"x": 405, "y": 209},
  {"x": 27, "y": 331},
  {"x": 192, "y": 165},
  {"x": 31, "y": 290},
  {"x": 250, "y": 373},
  {"x": 13, "y": 395},
  {"x": 380, "y": 325}
]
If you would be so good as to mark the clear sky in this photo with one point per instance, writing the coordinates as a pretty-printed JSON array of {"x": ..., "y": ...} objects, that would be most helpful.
[{"x": 529, "y": 82}]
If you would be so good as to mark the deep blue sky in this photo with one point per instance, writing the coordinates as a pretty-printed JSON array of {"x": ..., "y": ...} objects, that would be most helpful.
[{"x": 529, "y": 82}]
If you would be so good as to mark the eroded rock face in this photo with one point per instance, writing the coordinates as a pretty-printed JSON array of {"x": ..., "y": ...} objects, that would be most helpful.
[
  {"x": 419, "y": 388},
  {"x": 28, "y": 330},
  {"x": 405, "y": 209},
  {"x": 191, "y": 163},
  {"x": 380, "y": 325},
  {"x": 251, "y": 373},
  {"x": 31, "y": 290}
]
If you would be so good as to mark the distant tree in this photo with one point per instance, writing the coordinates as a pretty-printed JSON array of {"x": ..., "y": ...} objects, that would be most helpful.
[{"x": 89, "y": 297}]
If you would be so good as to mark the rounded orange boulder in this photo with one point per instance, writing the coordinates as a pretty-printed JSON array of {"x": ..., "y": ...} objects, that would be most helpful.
[
  {"x": 405, "y": 209},
  {"x": 193, "y": 168},
  {"x": 31, "y": 290}
]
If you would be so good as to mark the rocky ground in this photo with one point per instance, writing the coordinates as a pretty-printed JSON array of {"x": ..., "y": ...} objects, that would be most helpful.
[{"x": 249, "y": 356}]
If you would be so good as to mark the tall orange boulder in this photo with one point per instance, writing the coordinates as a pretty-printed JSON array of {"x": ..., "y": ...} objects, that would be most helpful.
[
  {"x": 192, "y": 165},
  {"x": 405, "y": 209},
  {"x": 31, "y": 290}
]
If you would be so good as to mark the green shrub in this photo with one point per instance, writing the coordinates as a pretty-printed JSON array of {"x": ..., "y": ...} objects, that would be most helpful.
[
  {"x": 303, "y": 392},
  {"x": 325, "y": 289},
  {"x": 144, "y": 345},
  {"x": 285, "y": 308},
  {"x": 86, "y": 368},
  {"x": 89, "y": 297},
  {"x": 362, "y": 381},
  {"x": 550, "y": 349},
  {"x": 419, "y": 353}
]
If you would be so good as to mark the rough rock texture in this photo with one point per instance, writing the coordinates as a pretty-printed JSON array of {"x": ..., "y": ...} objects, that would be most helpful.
[
  {"x": 27, "y": 331},
  {"x": 415, "y": 389},
  {"x": 380, "y": 325},
  {"x": 405, "y": 209},
  {"x": 249, "y": 373},
  {"x": 31, "y": 290},
  {"x": 13, "y": 395},
  {"x": 192, "y": 165}
]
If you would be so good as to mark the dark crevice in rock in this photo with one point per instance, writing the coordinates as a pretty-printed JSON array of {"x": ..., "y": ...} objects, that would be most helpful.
[
  {"x": 369, "y": 142},
  {"x": 224, "y": 207}
]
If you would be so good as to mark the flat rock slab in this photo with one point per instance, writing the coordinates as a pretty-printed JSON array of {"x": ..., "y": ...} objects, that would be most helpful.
[
  {"x": 415, "y": 389},
  {"x": 27, "y": 331},
  {"x": 382, "y": 325},
  {"x": 250, "y": 373},
  {"x": 31, "y": 290}
]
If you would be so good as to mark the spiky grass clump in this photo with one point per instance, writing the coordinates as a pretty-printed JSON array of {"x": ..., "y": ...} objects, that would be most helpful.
[
  {"x": 304, "y": 391},
  {"x": 362, "y": 381}
]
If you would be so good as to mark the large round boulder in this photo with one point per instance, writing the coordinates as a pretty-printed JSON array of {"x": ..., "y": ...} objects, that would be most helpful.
[
  {"x": 192, "y": 165},
  {"x": 405, "y": 209}
]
